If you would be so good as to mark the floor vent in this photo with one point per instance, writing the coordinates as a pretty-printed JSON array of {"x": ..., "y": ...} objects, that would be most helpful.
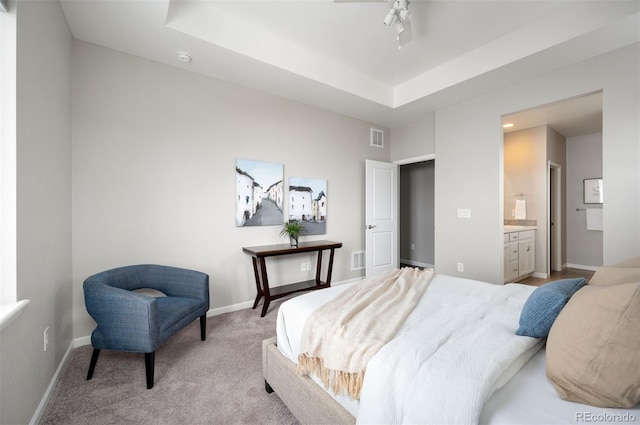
[
  {"x": 357, "y": 260},
  {"x": 377, "y": 138}
]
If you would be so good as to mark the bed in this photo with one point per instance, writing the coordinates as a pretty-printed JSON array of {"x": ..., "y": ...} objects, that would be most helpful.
[{"x": 521, "y": 393}]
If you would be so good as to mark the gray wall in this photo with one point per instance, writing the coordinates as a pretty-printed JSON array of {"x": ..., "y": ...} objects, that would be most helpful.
[
  {"x": 415, "y": 139},
  {"x": 44, "y": 210},
  {"x": 417, "y": 213},
  {"x": 154, "y": 152},
  {"x": 584, "y": 161}
]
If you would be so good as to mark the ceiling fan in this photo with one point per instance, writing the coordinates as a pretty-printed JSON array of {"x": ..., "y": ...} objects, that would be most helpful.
[{"x": 398, "y": 13}]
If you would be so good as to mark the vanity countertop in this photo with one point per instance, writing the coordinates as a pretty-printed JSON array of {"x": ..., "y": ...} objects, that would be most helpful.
[{"x": 511, "y": 229}]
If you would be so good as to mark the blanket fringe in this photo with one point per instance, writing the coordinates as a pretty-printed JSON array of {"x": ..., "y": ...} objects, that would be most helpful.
[{"x": 340, "y": 382}]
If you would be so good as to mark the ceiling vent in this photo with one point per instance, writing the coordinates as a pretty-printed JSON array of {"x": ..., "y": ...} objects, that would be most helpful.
[{"x": 377, "y": 138}]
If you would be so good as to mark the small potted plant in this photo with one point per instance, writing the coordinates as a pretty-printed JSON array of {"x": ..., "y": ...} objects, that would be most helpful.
[{"x": 293, "y": 229}]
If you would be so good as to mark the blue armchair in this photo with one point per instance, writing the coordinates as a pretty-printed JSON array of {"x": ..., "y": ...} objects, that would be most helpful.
[{"x": 134, "y": 322}]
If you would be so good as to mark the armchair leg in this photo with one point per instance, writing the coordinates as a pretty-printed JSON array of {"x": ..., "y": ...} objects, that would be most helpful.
[
  {"x": 149, "y": 364},
  {"x": 203, "y": 327},
  {"x": 92, "y": 365}
]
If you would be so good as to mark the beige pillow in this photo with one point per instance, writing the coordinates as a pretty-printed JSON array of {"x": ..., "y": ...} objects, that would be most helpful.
[
  {"x": 614, "y": 275},
  {"x": 593, "y": 348}
]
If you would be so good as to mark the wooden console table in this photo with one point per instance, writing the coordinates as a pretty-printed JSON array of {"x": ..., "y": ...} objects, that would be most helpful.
[{"x": 260, "y": 253}]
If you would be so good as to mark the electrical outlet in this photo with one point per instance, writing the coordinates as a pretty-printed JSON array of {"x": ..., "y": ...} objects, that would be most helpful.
[
  {"x": 309, "y": 265},
  {"x": 461, "y": 267},
  {"x": 413, "y": 246},
  {"x": 46, "y": 338},
  {"x": 303, "y": 267}
]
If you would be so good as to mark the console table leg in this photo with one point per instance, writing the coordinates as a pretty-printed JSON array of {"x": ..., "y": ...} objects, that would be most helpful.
[
  {"x": 257, "y": 277},
  {"x": 265, "y": 307},
  {"x": 318, "y": 267},
  {"x": 330, "y": 267},
  {"x": 265, "y": 286}
]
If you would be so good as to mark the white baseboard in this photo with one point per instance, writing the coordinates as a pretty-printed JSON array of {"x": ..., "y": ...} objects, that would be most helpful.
[
  {"x": 540, "y": 275},
  {"x": 45, "y": 398},
  {"x": 582, "y": 267},
  {"x": 229, "y": 308}
]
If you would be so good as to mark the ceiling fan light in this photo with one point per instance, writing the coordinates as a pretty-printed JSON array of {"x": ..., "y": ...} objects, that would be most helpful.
[{"x": 391, "y": 16}]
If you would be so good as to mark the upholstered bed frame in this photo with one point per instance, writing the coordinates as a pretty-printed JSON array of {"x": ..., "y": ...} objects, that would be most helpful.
[
  {"x": 308, "y": 402},
  {"x": 619, "y": 282}
]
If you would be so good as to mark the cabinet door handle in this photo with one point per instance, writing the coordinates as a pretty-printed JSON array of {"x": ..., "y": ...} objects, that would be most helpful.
[{"x": 528, "y": 248}]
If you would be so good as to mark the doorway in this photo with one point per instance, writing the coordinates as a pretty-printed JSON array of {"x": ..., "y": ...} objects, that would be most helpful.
[
  {"x": 383, "y": 200},
  {"x": 551, "y": 174},
  {"x": 417, "y": 214}
]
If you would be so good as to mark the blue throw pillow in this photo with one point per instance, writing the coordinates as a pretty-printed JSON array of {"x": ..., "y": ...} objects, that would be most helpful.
[{"x": 544, "y": 304}]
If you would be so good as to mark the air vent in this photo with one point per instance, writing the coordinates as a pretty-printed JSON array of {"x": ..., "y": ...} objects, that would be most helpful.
[
  {"x": 377, "y": 138},
  {"x": 357, "y": 260}
]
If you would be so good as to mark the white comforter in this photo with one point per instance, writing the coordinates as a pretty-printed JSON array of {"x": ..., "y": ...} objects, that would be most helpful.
[{"x": 453, "y": 351}]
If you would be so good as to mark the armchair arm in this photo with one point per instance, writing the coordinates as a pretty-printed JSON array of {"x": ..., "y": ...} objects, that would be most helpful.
[
  {"x": 177, "y": 282},
  {"x": 127, "y": 321}
]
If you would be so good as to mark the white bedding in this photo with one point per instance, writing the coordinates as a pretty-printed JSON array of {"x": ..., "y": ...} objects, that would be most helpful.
[{"x": 406, "y": 401}]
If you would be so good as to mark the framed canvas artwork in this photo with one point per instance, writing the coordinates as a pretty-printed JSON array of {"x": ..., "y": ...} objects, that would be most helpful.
[
  {"x": 308, "y": 203},
  {"x": 259, "y": 193}
]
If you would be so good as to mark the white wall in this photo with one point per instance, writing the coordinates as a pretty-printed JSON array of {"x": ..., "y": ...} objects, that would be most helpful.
[
  {"x": 43, "y": 113},
  {"x": 413, "y": 140},
  {"x": 525, "y": 171},
  {"x": 584, "y": 161},
  {"x": 470, "y": 153},
  {"x": 154, "y": 153}
]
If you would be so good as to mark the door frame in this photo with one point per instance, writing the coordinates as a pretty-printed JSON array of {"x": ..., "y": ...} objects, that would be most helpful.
[
  {"x": 398, "y": 162},
  {"x": 554, "y": 214},
  {"x": 409, "y": 161}
]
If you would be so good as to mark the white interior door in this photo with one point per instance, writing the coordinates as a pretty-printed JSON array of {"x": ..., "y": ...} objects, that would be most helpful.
[{"x": 381, "y": 217}]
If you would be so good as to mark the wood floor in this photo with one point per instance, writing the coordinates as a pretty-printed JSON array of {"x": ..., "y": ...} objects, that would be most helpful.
[{"x": 564, "y": 274}]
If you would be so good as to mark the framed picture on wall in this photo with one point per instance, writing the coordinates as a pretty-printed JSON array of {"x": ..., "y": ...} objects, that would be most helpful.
[
  {"x": 259, "y": 193},
  {"x": 593, "y": 191},
  {"x": 308, "y": 203}
]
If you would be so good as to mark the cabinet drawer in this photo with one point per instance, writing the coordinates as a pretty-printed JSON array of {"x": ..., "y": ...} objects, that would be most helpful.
[
  {"x": 514, "y": 236},
  {"x": 527, "y": 234},
  {"x": 514, "y": 271},
  {"x": 513, "y": 251}
]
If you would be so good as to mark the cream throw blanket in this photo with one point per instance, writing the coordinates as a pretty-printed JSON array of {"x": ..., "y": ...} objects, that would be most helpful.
[{"x": 340, "y": 337}]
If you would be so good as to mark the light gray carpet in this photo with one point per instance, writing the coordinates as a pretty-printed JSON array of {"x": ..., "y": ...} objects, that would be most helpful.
[{"x": 218, "y": 381}]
